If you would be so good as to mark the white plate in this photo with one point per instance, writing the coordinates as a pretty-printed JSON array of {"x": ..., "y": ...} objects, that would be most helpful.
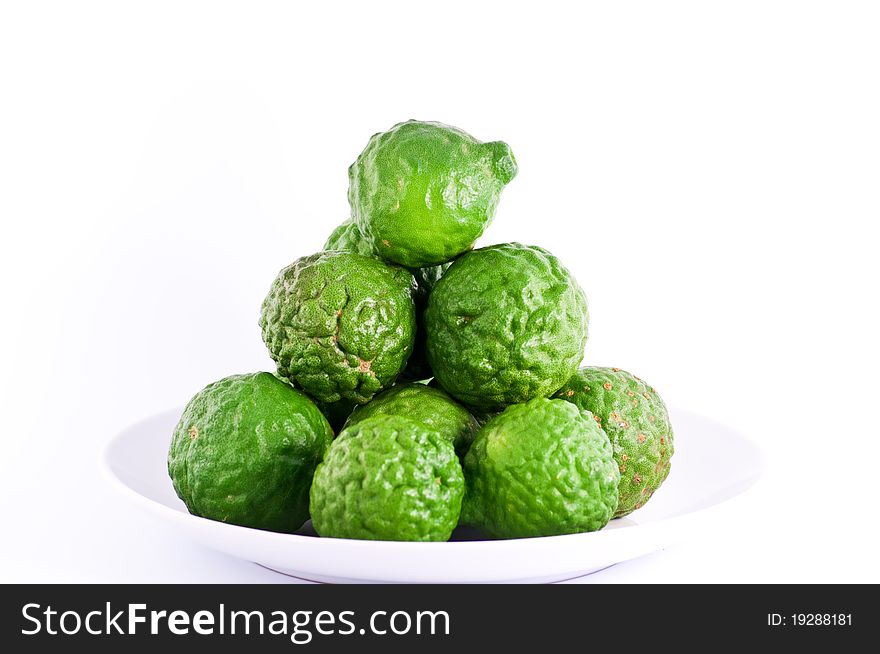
[{"x": 712, "y": 464}]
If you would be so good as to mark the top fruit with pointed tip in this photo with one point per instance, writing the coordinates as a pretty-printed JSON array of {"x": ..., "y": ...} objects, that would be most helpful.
[{"x": 423, "y": 192}]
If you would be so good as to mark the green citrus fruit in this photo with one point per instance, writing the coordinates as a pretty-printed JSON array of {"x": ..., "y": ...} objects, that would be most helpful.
[
  {"x": 635, "y": 419},
  {"x": 482, "y": 417},
  {"x": 506, "y": 323},
  {"x": 347, "y": 237},
  {"x": 388, "y": 478},
  {"x": 430, "y": 406},
  {"x": 423, "y": 192},
  {"x": 245, "y": 450},
  {"x": 340, "y": 325},
  {"x": 541, "y": 468}
]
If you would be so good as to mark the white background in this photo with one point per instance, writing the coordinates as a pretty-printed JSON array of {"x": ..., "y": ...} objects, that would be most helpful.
[{"x": 709, "y": 172}]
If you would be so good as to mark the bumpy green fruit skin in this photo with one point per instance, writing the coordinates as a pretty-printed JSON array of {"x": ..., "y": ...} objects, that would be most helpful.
[
  {"x": 340, "y": 325},
  {"x": 505, "y": 324},
  {"x": 347, "y": 237},
  {"x": 388, "y": 478},
  {"x": 424, "y": 192},
  {"x": 637, "y": 422},
  {"x": 245, "y": 450},
  {"x": 482, "y": 417},
  {"x": 541, "y": 468},
  {"x": 431, "y": 406}
]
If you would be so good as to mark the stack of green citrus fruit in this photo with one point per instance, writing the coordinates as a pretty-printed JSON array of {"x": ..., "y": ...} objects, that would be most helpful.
[{"x": 449, "y": 375}]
